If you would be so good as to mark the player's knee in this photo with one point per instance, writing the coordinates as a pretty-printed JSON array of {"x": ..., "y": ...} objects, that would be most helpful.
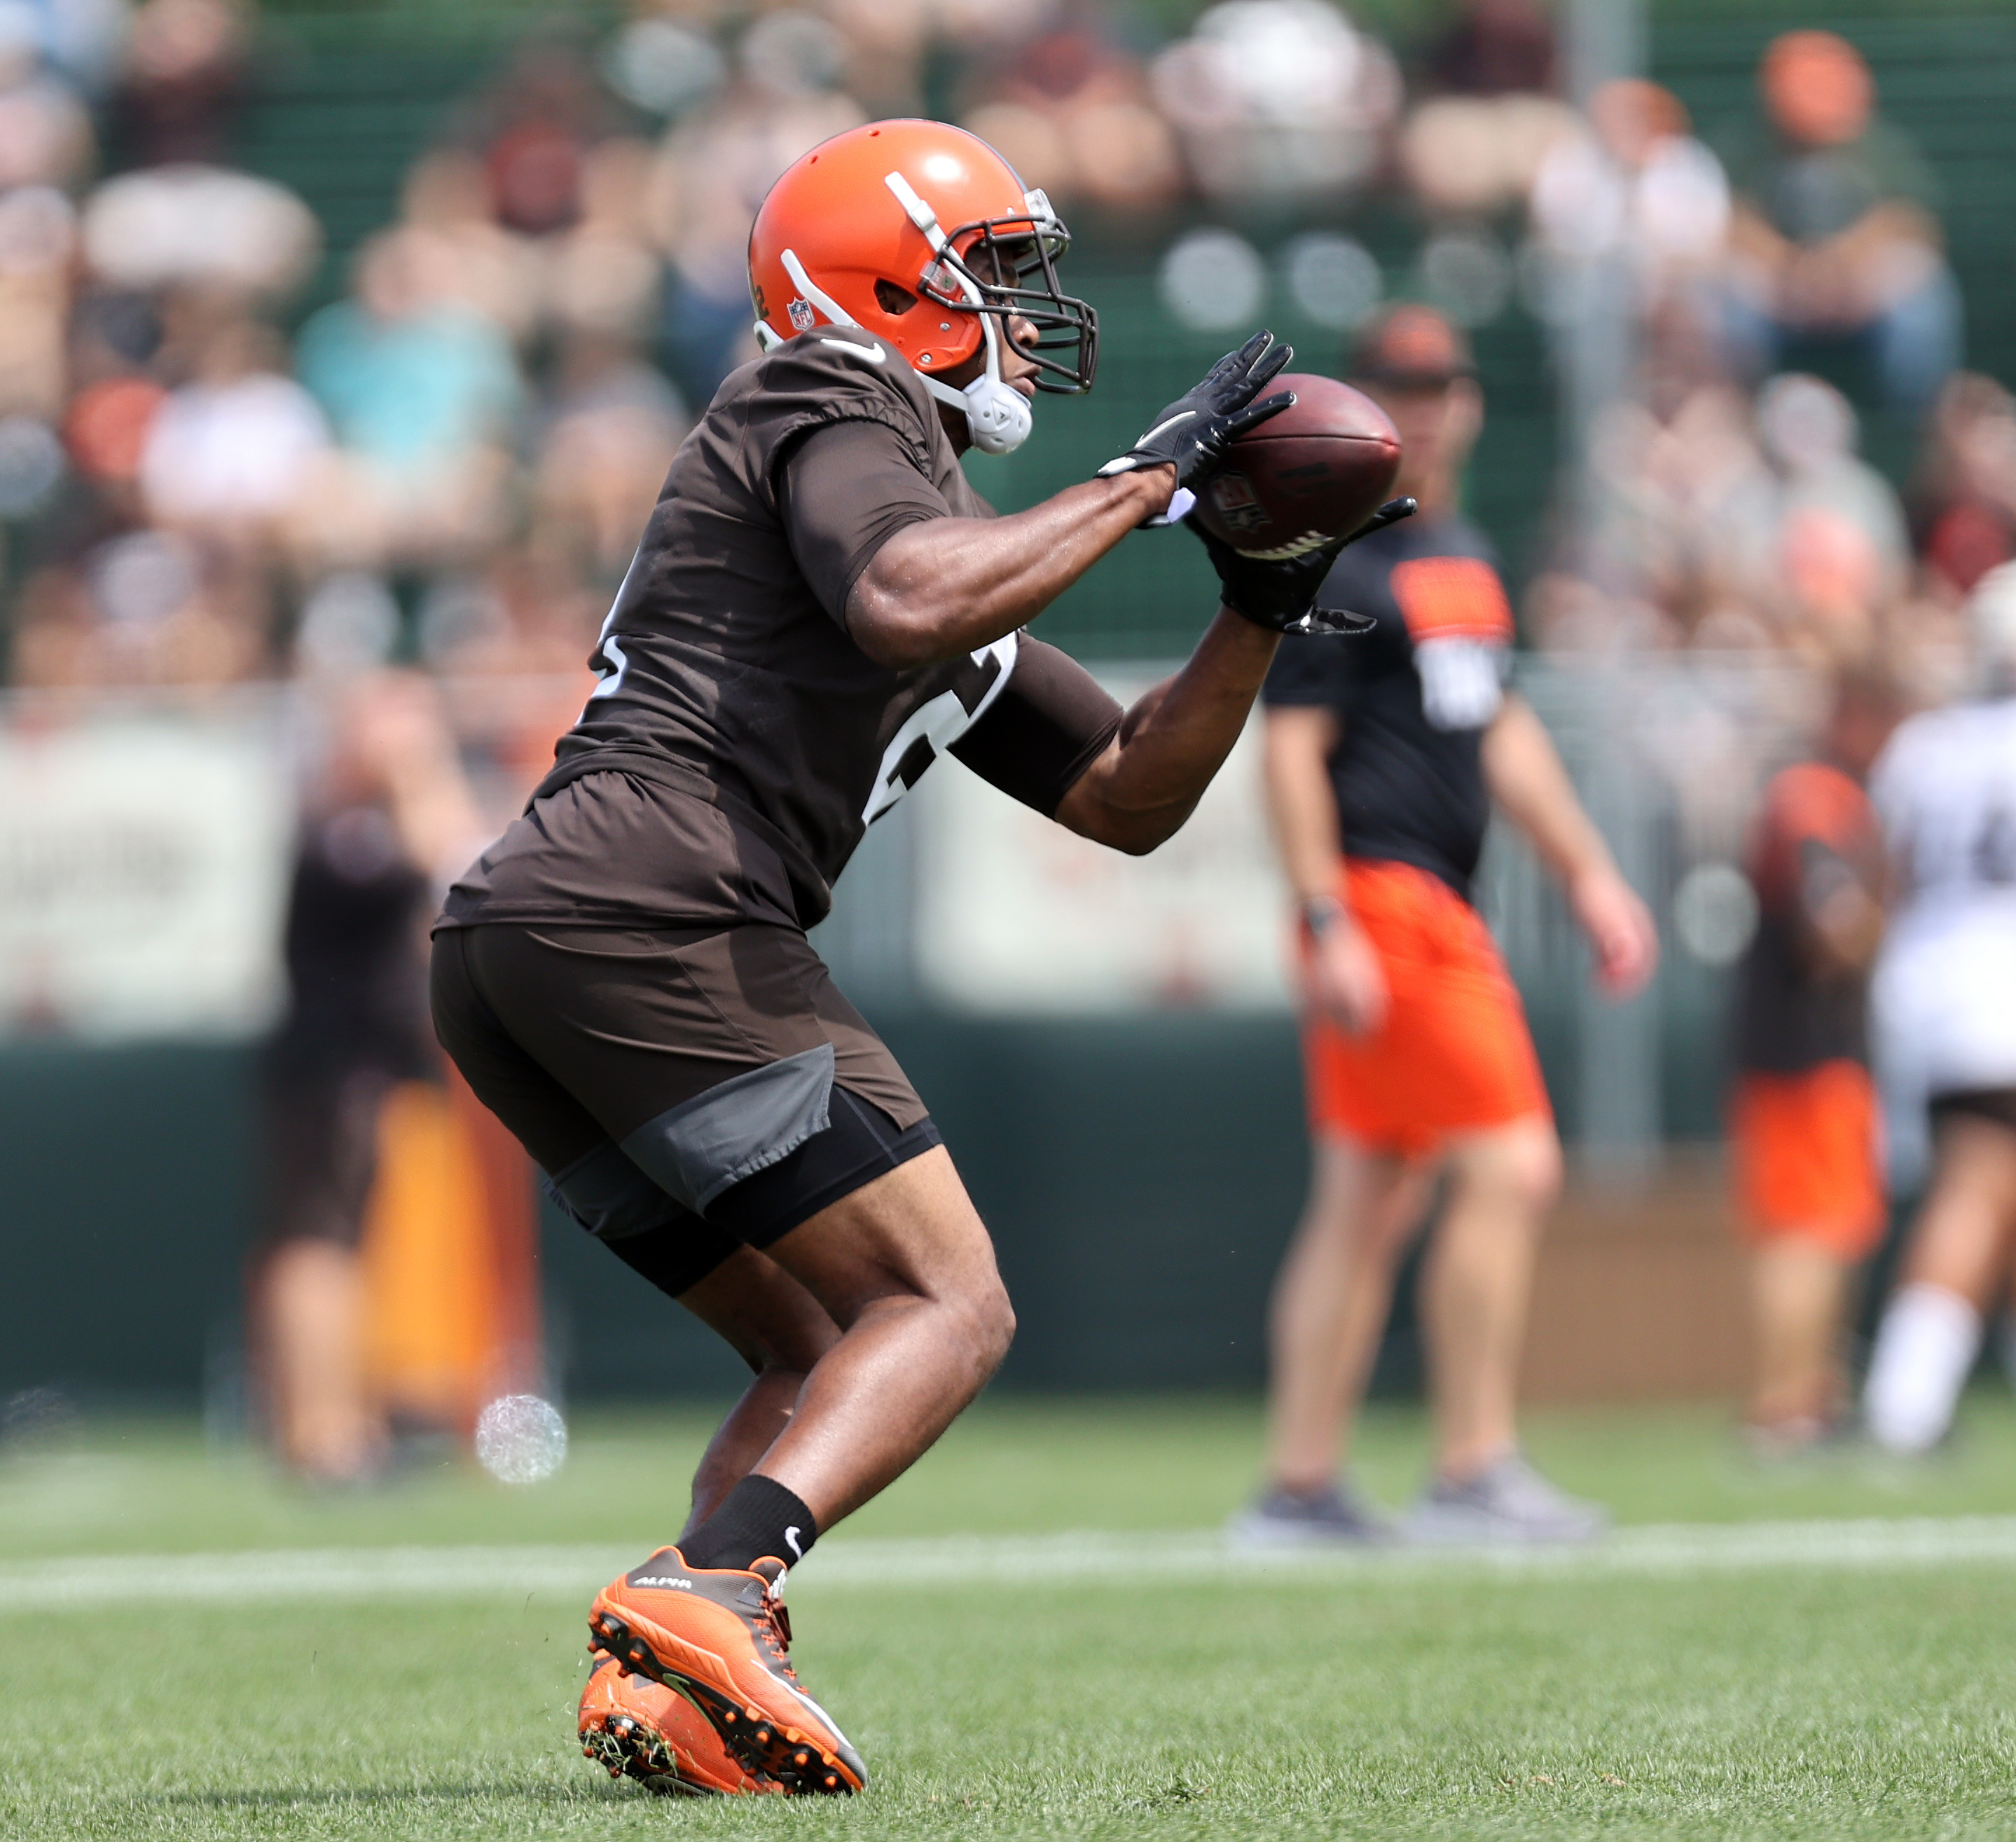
[
  {"x": 1519, "y": 1166},
  {"x": 1532, "y": 1173},
  {"x": 989, "y": 1325}
]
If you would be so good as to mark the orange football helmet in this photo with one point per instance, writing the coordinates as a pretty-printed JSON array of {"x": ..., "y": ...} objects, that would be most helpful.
[{"x": 855, "y": 233}]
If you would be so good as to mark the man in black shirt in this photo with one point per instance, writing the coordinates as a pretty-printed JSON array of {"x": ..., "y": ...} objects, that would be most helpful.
[
  {"x": 820, "y": 607},
  {"x": 1384, "y": 757}
]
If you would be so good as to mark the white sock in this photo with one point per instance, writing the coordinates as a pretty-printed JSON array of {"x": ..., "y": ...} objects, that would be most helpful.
[{"x": 1925, "y": 1349}]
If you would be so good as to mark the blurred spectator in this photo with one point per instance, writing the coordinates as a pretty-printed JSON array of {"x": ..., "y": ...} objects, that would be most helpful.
[
  {"x": 1278, "y": 101},
  {"x": 1636, "y": 188},
  {"x": 1964, "y": 499},
  {"x": 1496, "y": 48},
  {"x": 46, "y": 137},
  {"x": 534, "y": 132},
  {"x": 602, "y": 279},
  {"x": 614, "y": 426},
  {"x": 230, "y": 454},
  {"x": 199, "y": 225},
  {"x": 476, "y": 263},
  {"x": 1477, "y": 144},
  {"x": 1836, "y": 230},
  {"x": 177, "y": 101},
  {"x": 664, "y": 66},
  {"x": 391, "y": 810},
  {"x": 712, "y": 172},
  {"x": 1805, "y": 1124},
  {"x": 421, "y": 394},
  {"x": 1070, "y": 112},
  {"x": 141, "y": 608},
  {"x": 1840, "y": 547},
  {"x": 38, "y": 252},
  {"x": 1682, "y": 510}
]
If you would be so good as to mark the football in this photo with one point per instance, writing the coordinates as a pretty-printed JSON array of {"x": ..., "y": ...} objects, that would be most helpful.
[{"x": 1317, "y": 470}]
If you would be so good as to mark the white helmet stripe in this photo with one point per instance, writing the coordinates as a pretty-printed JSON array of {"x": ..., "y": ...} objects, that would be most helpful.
[{"x": 816, "y": 295}]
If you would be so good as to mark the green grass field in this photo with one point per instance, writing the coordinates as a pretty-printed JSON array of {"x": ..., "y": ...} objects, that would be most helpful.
[{"x": 190, "y": 1649}]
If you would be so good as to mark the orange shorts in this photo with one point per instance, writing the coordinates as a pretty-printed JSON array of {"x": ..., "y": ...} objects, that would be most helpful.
[
  {"x": 1454, "y": 1054},
  {"x": 1806, "y": 1154}
]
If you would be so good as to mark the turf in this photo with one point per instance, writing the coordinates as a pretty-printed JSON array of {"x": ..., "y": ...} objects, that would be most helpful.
[{"x": 1409, "y": 1701}]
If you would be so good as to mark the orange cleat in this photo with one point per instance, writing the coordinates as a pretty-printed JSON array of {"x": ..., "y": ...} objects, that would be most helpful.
[
  {"x": 720, "y": 1637},
  {"x": 637, "y": 1728}
]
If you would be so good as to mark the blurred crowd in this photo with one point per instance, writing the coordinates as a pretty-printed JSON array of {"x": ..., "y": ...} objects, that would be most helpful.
[
  {"x": 447, "y": 463},
  {"x": 206, "y": 477}
]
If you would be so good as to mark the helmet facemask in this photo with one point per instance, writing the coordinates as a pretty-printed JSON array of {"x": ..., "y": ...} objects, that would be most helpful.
[
  {"x": 987, "y": 267},
  {"x": 983, "y": 268}
]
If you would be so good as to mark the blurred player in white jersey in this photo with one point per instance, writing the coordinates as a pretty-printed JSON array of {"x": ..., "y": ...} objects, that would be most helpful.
[{"x": 1945, "y": 1016}]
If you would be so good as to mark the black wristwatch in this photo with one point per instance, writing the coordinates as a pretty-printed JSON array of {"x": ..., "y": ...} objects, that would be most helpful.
[{"x": 1319, "y": 914}]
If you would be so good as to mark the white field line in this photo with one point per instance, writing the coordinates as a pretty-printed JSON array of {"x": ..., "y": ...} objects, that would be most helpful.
[{"x": 502, "y": 1574}]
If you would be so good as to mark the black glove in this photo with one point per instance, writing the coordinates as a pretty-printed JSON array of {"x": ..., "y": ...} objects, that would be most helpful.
[
  {"x": 1281, "y": 594},
  {"x": 1193, "y": 433}
]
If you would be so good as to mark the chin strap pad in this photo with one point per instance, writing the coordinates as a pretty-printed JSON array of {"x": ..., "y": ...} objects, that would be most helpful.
[{"x": 997, "y": 415}]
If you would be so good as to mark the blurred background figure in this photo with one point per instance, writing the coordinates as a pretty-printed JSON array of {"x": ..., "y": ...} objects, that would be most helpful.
[
  {"x": 1385, "y": 754},
  {"x": 388, "y": 819},
  {"x": 1964, "y": 500},
  {"x": 714, "y": 167},
  {"x": 1839, "y": 547},
  {"x": 1836, "y": 234},
  {"x": 1633, "y": 185},
  {"x": 1805, "y": 1124},
  {"x": 1492, "y": 111},
  {"x": 1278, "y": 102},
  {"x": 1071, "y": 110},
  {"x": 421, "y": 394},
  {"x": 1946, "y": 1008}
]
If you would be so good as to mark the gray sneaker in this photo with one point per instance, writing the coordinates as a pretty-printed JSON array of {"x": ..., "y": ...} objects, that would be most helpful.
[
  {"x": 1337, "y": 1515},
  {"x": 1507, "y": 1503}
]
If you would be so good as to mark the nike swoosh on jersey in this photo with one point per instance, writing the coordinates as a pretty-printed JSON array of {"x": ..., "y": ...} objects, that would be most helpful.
[{"x": 872, "y": 352}]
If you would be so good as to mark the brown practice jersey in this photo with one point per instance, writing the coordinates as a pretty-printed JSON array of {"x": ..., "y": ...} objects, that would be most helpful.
[
  {"x": 739, "y": 743},
  {"x": 1815, "y": 831}
]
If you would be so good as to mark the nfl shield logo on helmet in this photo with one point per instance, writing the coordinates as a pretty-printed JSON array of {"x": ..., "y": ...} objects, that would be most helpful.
[{"x": 801, "y": 311}]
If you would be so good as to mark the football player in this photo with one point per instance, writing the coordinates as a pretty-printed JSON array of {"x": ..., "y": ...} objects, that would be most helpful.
[
  {"x": 1803, "y": 1127},
  {"x": 1384, "y": 758},
  {"x": 821, "y": 606},
  {"x": 1945, "y": 1008}
]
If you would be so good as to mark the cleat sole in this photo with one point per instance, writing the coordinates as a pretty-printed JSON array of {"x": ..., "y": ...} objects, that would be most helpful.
[
  {"x": 767, "y": 1749},
  {"x": 623, "y": 1749}
]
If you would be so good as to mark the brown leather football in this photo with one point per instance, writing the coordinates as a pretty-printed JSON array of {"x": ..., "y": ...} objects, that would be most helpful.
[{"x": 1317, "y": 470}]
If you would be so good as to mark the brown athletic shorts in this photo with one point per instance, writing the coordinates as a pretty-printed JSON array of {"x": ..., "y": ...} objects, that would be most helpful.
[{"x": 686, "y": 1090}]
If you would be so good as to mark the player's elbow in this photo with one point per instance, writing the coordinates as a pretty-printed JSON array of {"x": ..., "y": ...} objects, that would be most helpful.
[
  {"x": 1135, "y": 834},
  {"x": 898, "y": 634}
]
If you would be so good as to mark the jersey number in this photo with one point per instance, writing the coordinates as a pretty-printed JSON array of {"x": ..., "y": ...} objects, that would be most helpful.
[
  {"x": 608, "y": 661},
  {"x": 931, "y": 728}
]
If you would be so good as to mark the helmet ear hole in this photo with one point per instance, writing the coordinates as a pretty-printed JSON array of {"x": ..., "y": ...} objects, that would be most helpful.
[{"x": 892, "y": 299}]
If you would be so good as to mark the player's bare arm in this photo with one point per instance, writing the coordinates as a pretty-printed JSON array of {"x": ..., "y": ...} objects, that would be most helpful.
[
  {"x": 1529, "y": 785},
  {"x": 948, "y": 586},
  {"x": 944, "y": 586},
  {"x": 1171, "y": 742}
]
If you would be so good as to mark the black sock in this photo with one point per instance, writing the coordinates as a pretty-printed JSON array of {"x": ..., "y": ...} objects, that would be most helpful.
[{"x": 758, "y": 1517}]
